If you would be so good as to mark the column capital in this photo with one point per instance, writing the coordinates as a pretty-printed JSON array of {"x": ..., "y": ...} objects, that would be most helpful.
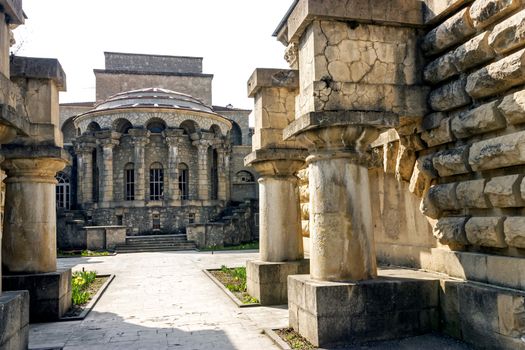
[
  {"x": 38, "y": 170},
  {"x": 277, "y": 161},
  {"x": 139, "y": 141},
  {"x": 271, "y": 78},
  {"x": 108, "y": 138}
]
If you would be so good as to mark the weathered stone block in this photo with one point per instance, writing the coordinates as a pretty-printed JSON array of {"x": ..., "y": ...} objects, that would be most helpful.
[
  {"x": 511, "y": 312},
  {"x": 432, "y": 121},
  {"x": 332, "y": 312},
  {"x": 478, "y": 121},
  {"x": 451, "y": 230},
  {"x": 440, "y": 135},
  {"x": 440, "y": 69},
  {"x": 509, "y": 34},
  {"x": 452, "y": 161},
  {"x": 514, "y": 229},
  {"x": 513, "y": 107},
  {"x": 470, "y": 194},
  {"x": 498, "y": 152},
  {"x": 454, "y": 30},
  {"x": 406, "y": 159},
  {"x": 486, "y": 231},
  {"x": 450, "y": 96},
  {"x": 485, "y": 12},
  {"x": 444, "y": 196},
  {"x": 49, "y": 293},
  {"x": 498, "y": 76},
  {"x": 473, "y": 53},
  {"x": 267, "y": 281},
  {"x": 14, "y": 320},
  {"x": 390, "y": 157},
  {"x": 422, "y": 175},
  {"x": 504, "y": 191}
]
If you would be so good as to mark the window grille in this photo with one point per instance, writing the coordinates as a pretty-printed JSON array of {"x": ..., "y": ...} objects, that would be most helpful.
[
  {"x": 156, "y": 182},
  {"x": 63, "y": 191}
]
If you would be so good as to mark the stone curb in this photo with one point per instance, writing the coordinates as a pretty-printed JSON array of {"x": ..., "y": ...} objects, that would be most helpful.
[
  {"x": 92, "y": 303},
  {"x": 226, "y": 291},
  {"x": 276, "y": 339}
]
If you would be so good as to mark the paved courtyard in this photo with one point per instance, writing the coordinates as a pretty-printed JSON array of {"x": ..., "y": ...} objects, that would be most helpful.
[
  {"x": 162, "y": 301},
  {"x": 165, "y": 301}
]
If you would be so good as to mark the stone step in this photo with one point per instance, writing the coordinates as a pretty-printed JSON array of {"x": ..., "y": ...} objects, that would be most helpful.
[
  {"x": 130, "y": 241},
  {"x": 125, "y": 249},
  {"x": 155, "y": 244}
]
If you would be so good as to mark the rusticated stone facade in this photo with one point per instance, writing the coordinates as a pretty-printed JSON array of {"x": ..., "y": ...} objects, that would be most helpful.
[
  {"x": 152, "y": 160},
  {"x": 413, "y": 120}
]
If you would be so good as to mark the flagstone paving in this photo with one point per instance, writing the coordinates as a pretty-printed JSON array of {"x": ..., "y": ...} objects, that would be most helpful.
[{"x": 164, "y": 301}]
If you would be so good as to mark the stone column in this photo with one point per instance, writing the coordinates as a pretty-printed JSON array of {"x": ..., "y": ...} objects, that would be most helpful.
[
  {"x": 223, "y": 173},
  {"x": 277, "y": 162},
  {"x": 29, "y": 243},
  {"x": 173, "y": 139},
  {"x": 84, "y": 152},
  {"x": 340, "y": 210},
  {"x": 107, "y": 141},
  {"x": 203, "y": 181},
  {"x": 280, "y": 235},
  {"x": 139, "y": 139}
]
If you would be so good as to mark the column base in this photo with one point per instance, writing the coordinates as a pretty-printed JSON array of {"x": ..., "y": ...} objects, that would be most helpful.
[
  {"x": 267, "y": 281},
  {"x": 14, "y": 320},
  {"x": 327, "y": 313},
  {"x": 49, "y": 293}
]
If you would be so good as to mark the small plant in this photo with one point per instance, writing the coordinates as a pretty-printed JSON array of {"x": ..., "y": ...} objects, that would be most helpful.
[
  {"x": 234, "y": 279},
  {"x": 81, "y": 280}
]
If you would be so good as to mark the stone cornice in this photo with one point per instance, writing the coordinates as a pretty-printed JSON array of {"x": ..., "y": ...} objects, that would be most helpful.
[
  {"x": 319, "y": 120},
  {"x": 272, "y": 78},
  {"x": 38, "y": 68}
]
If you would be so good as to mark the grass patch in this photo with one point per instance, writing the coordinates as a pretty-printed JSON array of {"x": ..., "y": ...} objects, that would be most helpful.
[
  {"x": 294, "y": 339},
  {"x": 84, "y": 285},
  {"x": 245, "y": 246},
  {"x": 83, "y": 253},
  {"x": 234, "y": 279}
]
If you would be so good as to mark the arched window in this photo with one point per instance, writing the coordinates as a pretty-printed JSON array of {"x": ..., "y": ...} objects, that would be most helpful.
[
  {"x": 244, "y": 177},
  {"x": 63, "y": 191},
  {"x": 183, "y": 181},
  {"x": 93, "y": 126},
  {"x": 156, "y": 182},
  {"x": 189, "y": 127},
  {"x": 122, "y": 125},
  {"x": 236, "y": 135},
  {"x": 129, "y": 176},
  {"x": 156, "y": 126}
]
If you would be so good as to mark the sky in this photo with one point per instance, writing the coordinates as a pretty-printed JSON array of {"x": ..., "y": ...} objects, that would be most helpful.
[{"x": 233, "y": 36}]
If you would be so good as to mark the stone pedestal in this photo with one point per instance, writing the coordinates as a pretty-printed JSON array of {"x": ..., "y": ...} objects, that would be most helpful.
[
  {"x": 385, "y": 308},
  {"x": 267, "y": 281},
  {"x": 49, "y": 293},
  {"x": 14, "y": 320}
]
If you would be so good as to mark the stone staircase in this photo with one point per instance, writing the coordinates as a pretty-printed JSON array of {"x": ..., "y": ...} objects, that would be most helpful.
[{"x": 155, "y": 243}]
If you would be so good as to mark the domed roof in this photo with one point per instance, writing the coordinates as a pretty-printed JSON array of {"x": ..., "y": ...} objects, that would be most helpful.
[{"x": 153, "y": 97}]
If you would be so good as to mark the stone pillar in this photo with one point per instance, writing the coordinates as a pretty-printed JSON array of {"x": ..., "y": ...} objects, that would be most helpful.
[
  {"x": 139, "y": 139},
  {"x": 30, "y": 217},
  {"x": 223, "y": 173},
  {"x": 107, "y": 141},
  {"x": 174, "y": 137},
  {"x": 277, "y": 162},
  {"x": 84, "y": 152},
  {"x": 203, "y": 181},
  {"x": 280, "y": 235}
]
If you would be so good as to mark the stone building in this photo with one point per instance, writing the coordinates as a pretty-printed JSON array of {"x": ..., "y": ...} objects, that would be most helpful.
[
  {"x": 409, "y": 119},
  {"x": 151, "y": 159}
]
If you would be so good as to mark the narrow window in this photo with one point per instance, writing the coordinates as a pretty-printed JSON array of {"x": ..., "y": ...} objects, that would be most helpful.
[
  {"x": 156, "y": 182},
  {"x": 129, "y": 175},
  {"x": 191, "y": 218},
  {"x": 183, "y": 181},
  {"x": 63, "y": 191},
  {"x": 120, "y": 220}
]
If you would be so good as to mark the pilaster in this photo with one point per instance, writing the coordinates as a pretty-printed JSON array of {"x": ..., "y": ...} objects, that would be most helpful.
[
  {"x": 139, "y": 140},
  {"x": 107, "y": 141},
  {"x": 203, "y": 181},
  {"x": 173, "y": 139},
  {"x": 84, "y": 147}
]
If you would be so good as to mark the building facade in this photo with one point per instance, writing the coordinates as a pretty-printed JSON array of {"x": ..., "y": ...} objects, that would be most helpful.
[{"x": 147, "y": 157}]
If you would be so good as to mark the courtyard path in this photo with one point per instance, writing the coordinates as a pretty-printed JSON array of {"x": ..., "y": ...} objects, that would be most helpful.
[{"x": 162, "y": 301}]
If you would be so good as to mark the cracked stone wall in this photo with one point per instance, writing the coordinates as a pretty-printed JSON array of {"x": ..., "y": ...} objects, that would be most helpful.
[{"x": 359, "y": 67}]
